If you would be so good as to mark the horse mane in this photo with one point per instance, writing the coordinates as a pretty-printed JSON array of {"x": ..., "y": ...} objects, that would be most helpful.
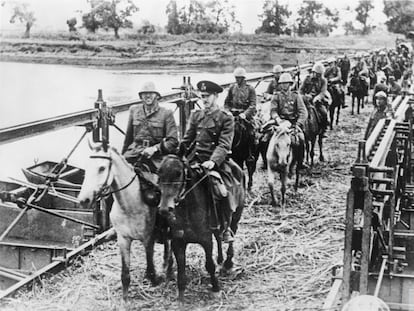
[{"x": 114, "y": 150}]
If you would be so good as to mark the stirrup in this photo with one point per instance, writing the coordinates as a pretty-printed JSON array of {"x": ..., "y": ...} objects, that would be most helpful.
[{"x": 228, "y": 236}]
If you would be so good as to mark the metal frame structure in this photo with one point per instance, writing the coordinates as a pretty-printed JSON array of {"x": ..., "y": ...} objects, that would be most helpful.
[{"x": 378, "y": 258}]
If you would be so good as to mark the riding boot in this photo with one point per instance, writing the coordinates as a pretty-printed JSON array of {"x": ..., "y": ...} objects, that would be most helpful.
[{"x": 227, "y": 212}]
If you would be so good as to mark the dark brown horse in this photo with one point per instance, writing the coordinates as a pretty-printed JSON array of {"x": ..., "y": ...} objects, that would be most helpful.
[
  {"x": 244, "y": 147},
  {"x": 358, "y": 90},
  {"x": 313, "y": 131},
  {"x": 338, "y": 99},
  {"x": 187, "y": 203}
]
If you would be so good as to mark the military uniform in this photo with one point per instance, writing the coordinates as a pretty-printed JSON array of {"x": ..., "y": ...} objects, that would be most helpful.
[
  {"x": 242, "y": 98},
  {"x": 289, "y": 106},
  {"x": 312, "y": 87},
  {"x": 150, "y": 128},
  {"x": 345, "y": 66},
  {"x": 333, "y": 76},
  {"x": 209, "y": 136},
  {"x": 273, "y": 87}
]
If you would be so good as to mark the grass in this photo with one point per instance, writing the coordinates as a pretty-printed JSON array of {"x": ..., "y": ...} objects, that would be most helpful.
[{"x": 284, "y": 261}]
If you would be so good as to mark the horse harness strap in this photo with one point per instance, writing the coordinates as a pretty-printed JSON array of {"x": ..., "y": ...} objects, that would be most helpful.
[
  {"x": 186, "y": 192},
  {"x": 104, "y": 192}
]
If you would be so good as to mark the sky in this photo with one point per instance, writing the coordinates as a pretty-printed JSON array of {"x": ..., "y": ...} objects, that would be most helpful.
[{"x": 52, "y": 14}]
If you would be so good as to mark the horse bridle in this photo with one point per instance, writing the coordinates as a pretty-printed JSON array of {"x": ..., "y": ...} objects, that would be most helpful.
[
  {"x": 183, "y": 192},
  {"x": 104, "y": 191}
]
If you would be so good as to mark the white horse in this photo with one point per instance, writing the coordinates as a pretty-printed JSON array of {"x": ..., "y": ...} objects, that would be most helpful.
[{"x": 109, "y": 173}]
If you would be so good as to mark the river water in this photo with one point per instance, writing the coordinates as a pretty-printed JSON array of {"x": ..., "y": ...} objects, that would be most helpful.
[{"x": 30, "y": 92}]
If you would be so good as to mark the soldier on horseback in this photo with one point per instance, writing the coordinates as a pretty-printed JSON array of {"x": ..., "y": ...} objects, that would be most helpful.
[
  {"x": 241, "y": 101},
  {"x": 151, "y": 134},
  {"x": 287, "y": 109},
  {"x": 383, "y": 63},
  {"x": 208, "y": 140},
  {"x": 314, "y": 92},
  {"x": 273, "y": 86},
  {"x": 151, "y": 130},
  {"x": 334, "y": 77}
]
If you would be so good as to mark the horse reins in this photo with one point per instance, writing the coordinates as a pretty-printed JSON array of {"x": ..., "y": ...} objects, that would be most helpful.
[{"x": 103, "y": 191}]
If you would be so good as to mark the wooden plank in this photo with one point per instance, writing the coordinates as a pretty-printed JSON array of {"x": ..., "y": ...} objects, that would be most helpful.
[
  {"x": 349, "y": 227},
  {"x": 366, "y": 244},
  {"x": 332, "y": 299}
]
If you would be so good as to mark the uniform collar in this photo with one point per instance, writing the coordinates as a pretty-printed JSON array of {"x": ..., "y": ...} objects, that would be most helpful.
[
  {"x": 212, "y": 112},
  {"x": 154, "y": 108}
]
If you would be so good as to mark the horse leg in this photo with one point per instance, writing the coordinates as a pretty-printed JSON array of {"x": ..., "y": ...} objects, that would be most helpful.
[
  {"x": 219, "y": 246},
  {"x": 179, "y": 247},
  {"x": 270, "y": 182},
  {"x": 168, "y": 260},
  {"x": 331, "y": 116},
  {"x": 283, "y": 179},
  {"x": 353, "y": 102},
  {"x": 312, "y": 149},
  {"x": 150, "y": 272},
  {"x": 359, "y": 104},
  {"x": 337, "y": 114},
  {"x": 320, "y": 142},
  {"x": 210, "y": 265},
  {"x": 251, "y": 167},
  {"x": 125, "y": 248},
  {"x": 228, "y": 264}
]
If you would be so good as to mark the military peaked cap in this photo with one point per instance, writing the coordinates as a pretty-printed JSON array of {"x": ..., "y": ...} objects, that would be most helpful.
[{"x": 209, "y": 87}]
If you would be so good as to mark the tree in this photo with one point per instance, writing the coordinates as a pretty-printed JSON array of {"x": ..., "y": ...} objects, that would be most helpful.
[
  {"x": 173, "y": 25},
  {"x": 362, "y": 11},
  {"x": 274, "y": 18},
  {"x": 349, "y": 28},
  {"x": 400, "y": 15},
  {"x": 71, "y": 22},
  {"x": 107, "y": 15},
  {"x": 201, "y": 17},
  {"x": 22, "y": 14},
  {"x": 315, "y": 18}
]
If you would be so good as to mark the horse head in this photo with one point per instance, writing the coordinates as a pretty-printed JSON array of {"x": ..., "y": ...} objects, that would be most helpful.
[
  {"x": 98, "y": 174},
  {"x": 279, "y": 154},
  {"x": 172, "y": 182}
]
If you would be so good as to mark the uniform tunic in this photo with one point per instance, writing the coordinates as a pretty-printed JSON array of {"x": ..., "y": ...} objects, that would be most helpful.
[
  {"x": 150, "y": 128},
  {"x": 209, "y": 136},
  {"x": 273, "y": 87},
  {"x": 314, "y": 86},
  {"x": 242, "y": 97},
  {"x": 289, "y": 106},
  {"x": 333, "y": 74}
]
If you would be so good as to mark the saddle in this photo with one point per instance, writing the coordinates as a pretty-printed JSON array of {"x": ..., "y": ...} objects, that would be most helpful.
[{"x": 151, "y": 193}]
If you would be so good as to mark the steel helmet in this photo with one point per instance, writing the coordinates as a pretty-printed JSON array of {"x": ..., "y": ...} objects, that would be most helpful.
[
  {"x": 285, "y": 78},
  {"x": 381, "y": 94},
  {"x": 277, "y": 69},
  {"x": 239, "y": 72},
  {"x": 366, "y": 303},
  {"x": 358, "y": 55},
  {"x": 382, "y": 53},
  {"x": 149, "y": 87},
  {"x": 318, "y": 68},
  {"x": 330, "y": 60}
]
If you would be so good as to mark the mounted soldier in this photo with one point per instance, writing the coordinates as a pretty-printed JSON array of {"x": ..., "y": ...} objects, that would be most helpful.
[
  {"x": 241, "y": 102},
  {"x": 208, "y": 141},
  {"x": 151, "y": 131},
  {"x": 345, "y": 65},
  {"x": 288, "y": 110},
  {"x": 383, "y": 63},
  {"x": 314, "y": 92},
  {"x": 361, "y": 71},
  {"x": 334, "y": 77},
  {"x": 273, "y": 86}
]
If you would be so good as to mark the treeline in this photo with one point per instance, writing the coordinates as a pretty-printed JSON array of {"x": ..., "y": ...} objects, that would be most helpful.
[{"x": 218, "y": 16}]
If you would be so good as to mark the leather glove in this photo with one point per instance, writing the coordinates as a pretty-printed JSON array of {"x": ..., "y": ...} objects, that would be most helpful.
[
  {"x": 149, "y": 151},
  {"x": 208, "y": 164}
]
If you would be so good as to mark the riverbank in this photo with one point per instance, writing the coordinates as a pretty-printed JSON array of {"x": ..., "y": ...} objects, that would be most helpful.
[{"x": 220, "y": 53}]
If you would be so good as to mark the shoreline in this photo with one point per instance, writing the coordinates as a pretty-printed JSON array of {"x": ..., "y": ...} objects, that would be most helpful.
[{"x": 219, "y": 55}]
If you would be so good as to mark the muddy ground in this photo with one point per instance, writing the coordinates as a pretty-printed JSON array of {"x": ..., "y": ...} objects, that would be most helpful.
[
  {"x": 284, "y": 260},
  {"x": 217, "y": 53}
]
